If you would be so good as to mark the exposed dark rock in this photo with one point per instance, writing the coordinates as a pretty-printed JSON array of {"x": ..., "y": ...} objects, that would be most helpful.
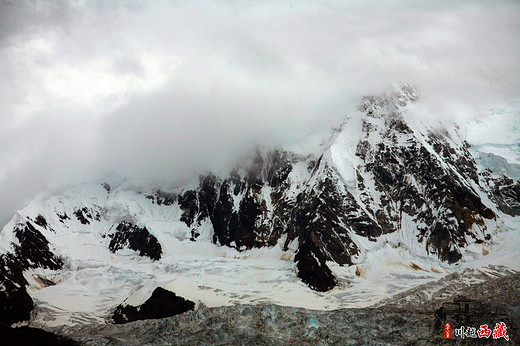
[
  {"x": 162, "y": 197},
  {"x": 83, "y": 215},
  {"x": 40, "y": 221},
  {"x": 508, "y": 196},
  {"x": 445, "y": 205},
  {"x": 238, "y": 226},
  {"x": 135, "y": 238},
  {"x": 107, "y": 187},
  {"x": 505, "y": 192},
  {"x": 432, "y": 188},
  {"x": 401, "y": 176},
  {"x": 161, "y": 304},
  {"x": 63, "y": 217},
  {"x": 279, "y": 169},
  {"x": 245, "y": 225},
  {"x": 33, "y": 249},
  {"x": 249, "y": 224},
  {"x": 429, "y": 179},
  {"x": 322, "y": 219},
  {"x": 441, "y": 239},
  {"x": 43, "y": 280},
  {"x": 208, "y": 195},
  {"x": 15, "y": 303},
  {"x": 189, "y": 204},
  {"x": 312, "y": 269}
]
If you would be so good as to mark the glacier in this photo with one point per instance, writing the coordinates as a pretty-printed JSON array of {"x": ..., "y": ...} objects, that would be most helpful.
[{"x": 388, "y": 202}]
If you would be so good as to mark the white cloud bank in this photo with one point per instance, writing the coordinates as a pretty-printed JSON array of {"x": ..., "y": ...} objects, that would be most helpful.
[{"x": 159, "y": 89}]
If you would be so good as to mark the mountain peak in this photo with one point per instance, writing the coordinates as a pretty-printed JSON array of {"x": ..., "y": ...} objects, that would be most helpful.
[
  {"x": 386, "y": 104},
  {"x": 380, "y": 185}
]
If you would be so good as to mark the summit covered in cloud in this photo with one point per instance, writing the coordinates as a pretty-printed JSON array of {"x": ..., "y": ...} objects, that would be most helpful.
[{"x": 158, "y": 92}]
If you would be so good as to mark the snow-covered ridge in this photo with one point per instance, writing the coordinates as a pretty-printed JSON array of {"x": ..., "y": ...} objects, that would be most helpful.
[
  {"x": 389, "y": 203},
  {"x": 497, "y": 132}
]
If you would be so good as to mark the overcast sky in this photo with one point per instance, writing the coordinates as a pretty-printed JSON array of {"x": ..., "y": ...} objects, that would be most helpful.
[{"x": 157, "y": 90}]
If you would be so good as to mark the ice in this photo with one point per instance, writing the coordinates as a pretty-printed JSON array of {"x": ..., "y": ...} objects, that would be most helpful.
[
  {"x": 497, "y": 132},
  {"x": 94, "y": 281}
]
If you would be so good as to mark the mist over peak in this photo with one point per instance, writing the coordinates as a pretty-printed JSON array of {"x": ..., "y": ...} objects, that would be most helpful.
[{"x": 161, "y": 91}]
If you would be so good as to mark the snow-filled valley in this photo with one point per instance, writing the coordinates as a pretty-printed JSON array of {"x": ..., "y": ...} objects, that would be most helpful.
[{"x": 95, "y": 280}]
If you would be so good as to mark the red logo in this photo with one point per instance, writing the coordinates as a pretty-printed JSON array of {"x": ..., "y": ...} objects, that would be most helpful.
[
  {"x": 484, "y": 331},
  {"x": 447, "y": 331},
  {"x": 500, "y": 331}
]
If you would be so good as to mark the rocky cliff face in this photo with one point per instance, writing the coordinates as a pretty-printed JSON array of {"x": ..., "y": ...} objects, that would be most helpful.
[
  {"x": 30, "y": 250},
  {"x": 425, "y": 184},
  {"x": 379, "y": 174},
  {"x": 161, "y": 304}
]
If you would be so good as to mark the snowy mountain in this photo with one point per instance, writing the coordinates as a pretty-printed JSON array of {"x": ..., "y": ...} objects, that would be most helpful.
[
  {"x": 483, "y": 133},
  {"x": 388, "y": 202}
]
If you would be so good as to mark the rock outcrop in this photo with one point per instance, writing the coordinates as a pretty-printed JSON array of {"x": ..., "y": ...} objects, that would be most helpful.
[
  {"x": 161, "y": 304},
  {"x": 136, "y": 238},
  {"x": 31, "y": 250},
  {"x": 380, "y": 173}
]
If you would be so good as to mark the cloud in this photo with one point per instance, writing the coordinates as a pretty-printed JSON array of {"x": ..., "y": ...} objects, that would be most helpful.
[{"x": 160, "y": 90}]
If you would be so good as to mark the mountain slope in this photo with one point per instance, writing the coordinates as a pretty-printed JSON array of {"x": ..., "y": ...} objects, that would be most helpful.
[{"x": 383, "y": 183}]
